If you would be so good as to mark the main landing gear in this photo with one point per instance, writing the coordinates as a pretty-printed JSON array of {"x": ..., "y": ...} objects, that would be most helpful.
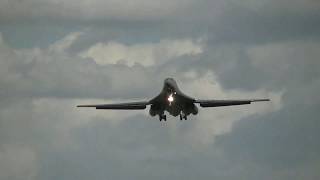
[
  {"x": 162, "y": 117},
  {"x": 183, "y": 116}
]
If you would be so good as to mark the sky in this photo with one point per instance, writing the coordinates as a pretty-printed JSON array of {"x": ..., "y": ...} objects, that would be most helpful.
[{"x": 57, "y": 54}]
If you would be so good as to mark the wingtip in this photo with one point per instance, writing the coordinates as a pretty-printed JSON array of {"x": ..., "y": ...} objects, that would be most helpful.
[
  {"x": 86, "y": 106},
  {"x": 257, "y": 100},
  {"x": 83, "y": 106}
]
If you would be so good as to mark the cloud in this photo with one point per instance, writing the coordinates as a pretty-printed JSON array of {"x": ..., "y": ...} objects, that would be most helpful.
[
  {"x": 285, "y": 147},
  {"x": 97, "y": 9},
  {"x": 252, "y": 49},
  {"x": 47, "y": 74},
  {"x": 65, "y": 43},
  {"x": 54, "y": 72},
  {"x": 18, "y": 162},
  {"x": 293, "y": 62},
  {"x": 144, "y": 9},
  {"x": 295, "y": 6},
  {"x": 220, "y": 122},
  {"x": 281, "y": 58},
  {"x": 146, "y": 54}
]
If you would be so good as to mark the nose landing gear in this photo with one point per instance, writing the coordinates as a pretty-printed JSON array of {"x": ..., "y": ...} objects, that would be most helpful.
[
  {"x": 183, "y": 116},
  {"x": 162, "y": 117}
]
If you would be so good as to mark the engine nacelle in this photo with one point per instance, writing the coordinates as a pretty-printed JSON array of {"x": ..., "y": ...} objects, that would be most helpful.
[
  {"x": 194, "y": 110},
  {"x": 191, "y": 109},
  {"x": 154, "y": 110}
]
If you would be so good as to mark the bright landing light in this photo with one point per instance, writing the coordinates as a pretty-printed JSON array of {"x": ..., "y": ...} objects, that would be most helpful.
[{"x": 170, "y": 99}]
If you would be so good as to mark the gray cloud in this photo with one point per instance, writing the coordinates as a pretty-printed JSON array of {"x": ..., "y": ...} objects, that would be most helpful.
[
  {"x": 46, "y": 72},
  {"x": 91, "y": 10},
  {"x": 285, "y": 146},
  {"x": 248, "y": 49},
  {"x": 221, "y": 21}
]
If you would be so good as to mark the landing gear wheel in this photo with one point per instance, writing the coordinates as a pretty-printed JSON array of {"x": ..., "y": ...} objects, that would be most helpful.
[
  {"x": 183, "y": 116},
  {"x": 162, "y": 117}
]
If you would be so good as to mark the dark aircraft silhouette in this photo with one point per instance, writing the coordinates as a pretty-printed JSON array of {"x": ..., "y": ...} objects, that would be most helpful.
[{"x": 171, "y": 99}]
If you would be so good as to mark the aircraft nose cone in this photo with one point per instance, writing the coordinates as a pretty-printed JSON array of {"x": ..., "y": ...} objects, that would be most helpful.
[{"x": 170, "y": 81}]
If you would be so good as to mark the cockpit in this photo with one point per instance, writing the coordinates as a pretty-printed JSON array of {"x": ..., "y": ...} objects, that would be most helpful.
[{"x": 170, "y": 83}]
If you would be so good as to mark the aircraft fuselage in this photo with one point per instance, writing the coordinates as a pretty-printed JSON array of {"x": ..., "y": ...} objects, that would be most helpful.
[{"x": 172, "y": 100}]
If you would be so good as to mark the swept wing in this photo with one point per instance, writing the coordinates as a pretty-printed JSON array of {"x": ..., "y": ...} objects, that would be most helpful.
[
  {"x": 217, "y": 103},
  {"x": 123, "y": 106}
]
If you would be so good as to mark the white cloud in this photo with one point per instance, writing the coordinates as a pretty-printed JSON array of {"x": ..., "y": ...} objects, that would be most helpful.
[
  {"x": 53, "y": 71},
  {"x": 63, "y": 44},
  {"x": 217, "y": 121},
  {"x": 146, "y": 54}
]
